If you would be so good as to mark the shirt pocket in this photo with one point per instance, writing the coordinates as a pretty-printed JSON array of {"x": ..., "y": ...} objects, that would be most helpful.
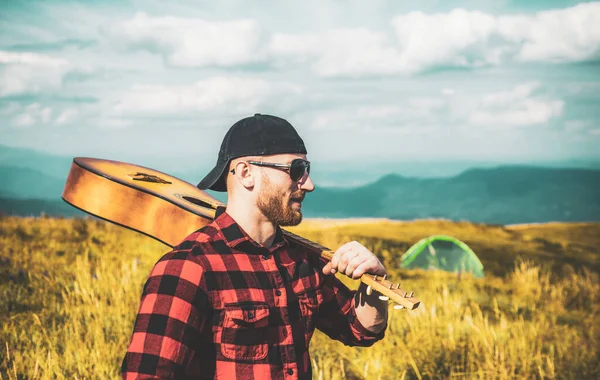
[
  {"x": 244, "y": 334},
  {"x": 309, "y": 302}
]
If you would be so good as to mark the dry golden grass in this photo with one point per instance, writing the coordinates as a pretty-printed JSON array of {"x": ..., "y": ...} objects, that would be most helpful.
[{"x": 70, "y": 289}]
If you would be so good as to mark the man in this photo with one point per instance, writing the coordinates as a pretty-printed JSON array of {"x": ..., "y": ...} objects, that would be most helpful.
[{"x": 236, "y": 299}]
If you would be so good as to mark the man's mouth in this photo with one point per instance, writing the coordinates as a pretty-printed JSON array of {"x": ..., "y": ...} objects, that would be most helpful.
[{"x": 297, "y": 199}]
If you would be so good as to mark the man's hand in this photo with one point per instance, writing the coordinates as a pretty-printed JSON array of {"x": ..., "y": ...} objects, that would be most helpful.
[{"x": 354, "y": 260}]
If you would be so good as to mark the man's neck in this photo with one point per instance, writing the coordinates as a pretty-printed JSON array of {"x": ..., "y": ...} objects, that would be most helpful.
[{"x": 254, "y": 223}]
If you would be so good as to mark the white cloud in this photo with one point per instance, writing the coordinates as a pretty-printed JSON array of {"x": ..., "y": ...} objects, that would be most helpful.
[
  {"x": 358, "y": 118},
  {"x": 562, "y": 35},
  {"x": 460, "y": 38},
  {"x": 343, "y": 52},
  {"x": 417, "y": 41},
  {"x": 576, "y": 125},
  {"x": 217, "y": 93},
  {"x": 516, "y": 107},
  {"x": 35, "y": 114},
  {"x": 30, "y": 73},
  {"x": 506, "y": 98},
  {"x": 191, "y": 42},
  {"x": 471, "y": 38},
  {"x": 66, "y": 116},
  {"x": 522, "y": 105}
]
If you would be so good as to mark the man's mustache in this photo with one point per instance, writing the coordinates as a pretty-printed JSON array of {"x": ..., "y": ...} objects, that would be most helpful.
[{"x": 299, "y": 196}]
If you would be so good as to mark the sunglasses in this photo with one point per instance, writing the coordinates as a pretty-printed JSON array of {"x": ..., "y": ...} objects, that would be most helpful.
[{"x": 296, "y": 169}]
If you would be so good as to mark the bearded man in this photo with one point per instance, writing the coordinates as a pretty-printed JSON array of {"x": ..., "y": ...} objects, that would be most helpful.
[{"x": 236, "y": 299}]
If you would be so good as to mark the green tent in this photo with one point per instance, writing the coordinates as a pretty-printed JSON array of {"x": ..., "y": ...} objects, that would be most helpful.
[{"x": 444, "y": 253}]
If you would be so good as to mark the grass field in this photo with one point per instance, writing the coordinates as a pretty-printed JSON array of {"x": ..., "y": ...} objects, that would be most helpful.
[{"x": 70, "y": 289}]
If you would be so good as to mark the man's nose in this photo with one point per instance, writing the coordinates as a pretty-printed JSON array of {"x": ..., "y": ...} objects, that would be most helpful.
[{"x": 308, "y": 184}]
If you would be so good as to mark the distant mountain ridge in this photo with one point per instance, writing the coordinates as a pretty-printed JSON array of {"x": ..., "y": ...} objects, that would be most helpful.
[
  {"x": 503, "y": 195},
  {"x": 32, "y": 183}
]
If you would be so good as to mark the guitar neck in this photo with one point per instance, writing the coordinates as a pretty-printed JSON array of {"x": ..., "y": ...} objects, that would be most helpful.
[{"x": 323, "y": 251}]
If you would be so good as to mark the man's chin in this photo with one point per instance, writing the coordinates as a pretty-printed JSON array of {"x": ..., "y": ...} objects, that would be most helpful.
[{"x": 293, "y": 221}]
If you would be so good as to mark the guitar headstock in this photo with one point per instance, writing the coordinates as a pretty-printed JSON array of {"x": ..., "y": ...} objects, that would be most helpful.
[{"x": 390, "y": 291}]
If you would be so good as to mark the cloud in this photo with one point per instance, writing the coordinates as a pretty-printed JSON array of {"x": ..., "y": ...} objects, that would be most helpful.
[
  {"x": 564, "y": 35},
  {"x": 516, "y": 107},
  {"x": 464, "y": 112},
  {"x": 30, "y": 73},
  {"x": 414, "y": 42},
  {"x": 460, "y": 38},
  {"x": 344, "y": 52},
  {"x": 576, "y": 125},
  {"x": 66, "y": 116},
  {"x": 233, "y": 94},
  {"x": 38, "y": 114},
  {"x": 413, "y": 115},
  {"x": 354, "y": 119},
  {"x": 191, "y": 42}
]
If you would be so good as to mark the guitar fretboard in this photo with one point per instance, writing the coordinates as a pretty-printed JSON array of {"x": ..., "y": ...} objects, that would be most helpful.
[{"x": 305, "y": 242}]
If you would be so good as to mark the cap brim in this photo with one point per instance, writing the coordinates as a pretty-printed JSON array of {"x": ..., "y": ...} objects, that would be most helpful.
[{"x": 215, "y": 179}]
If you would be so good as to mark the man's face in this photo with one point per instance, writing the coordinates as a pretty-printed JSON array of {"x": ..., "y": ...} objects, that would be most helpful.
[{"x": 280, "y": 198}]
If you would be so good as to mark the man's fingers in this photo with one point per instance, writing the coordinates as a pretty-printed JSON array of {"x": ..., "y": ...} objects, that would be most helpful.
[
  {"x": 346, "y": 247},
  {"x": 353, "y": 264},
  {"x": 354, "y": 260},
  {"x": 347, "y": 259},
  {"x": 361, "y": 269}
]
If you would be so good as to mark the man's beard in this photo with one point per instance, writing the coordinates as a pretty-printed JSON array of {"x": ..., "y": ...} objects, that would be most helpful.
[{"x": 278, "y": 209}]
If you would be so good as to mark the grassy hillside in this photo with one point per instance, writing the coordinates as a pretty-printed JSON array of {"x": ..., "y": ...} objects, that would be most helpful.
[{"x": 70, "y": 290}]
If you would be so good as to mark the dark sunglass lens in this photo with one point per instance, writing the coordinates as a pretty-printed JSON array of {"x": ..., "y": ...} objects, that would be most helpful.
[{"x": 298, "y": 168}]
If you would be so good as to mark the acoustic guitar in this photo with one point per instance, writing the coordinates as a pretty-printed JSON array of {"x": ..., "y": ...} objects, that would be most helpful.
[{"x": 169, "y": 209}]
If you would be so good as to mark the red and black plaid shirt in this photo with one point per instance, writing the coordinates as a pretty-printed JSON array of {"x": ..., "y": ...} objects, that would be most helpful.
[{"x": 219, "y": 305}]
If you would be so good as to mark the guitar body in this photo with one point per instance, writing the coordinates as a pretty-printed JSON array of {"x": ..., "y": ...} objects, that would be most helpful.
[{"x": 142, "y": 199}]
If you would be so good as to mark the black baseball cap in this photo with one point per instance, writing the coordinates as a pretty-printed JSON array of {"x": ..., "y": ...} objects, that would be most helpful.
[{"x": 257, "y": 135}]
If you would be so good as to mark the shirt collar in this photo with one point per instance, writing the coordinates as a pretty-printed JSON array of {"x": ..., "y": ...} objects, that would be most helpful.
[{"x": 236, "y": 237}]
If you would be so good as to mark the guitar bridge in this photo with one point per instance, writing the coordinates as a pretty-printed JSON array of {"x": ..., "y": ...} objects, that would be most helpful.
[{"x": 139, "y": 176}]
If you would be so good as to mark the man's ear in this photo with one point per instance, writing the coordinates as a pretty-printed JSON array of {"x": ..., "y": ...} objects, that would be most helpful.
[{"x": 244, "y": 174}]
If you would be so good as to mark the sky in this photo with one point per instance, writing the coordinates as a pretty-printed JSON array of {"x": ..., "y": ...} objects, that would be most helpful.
[{"x": 364, "y": 83}]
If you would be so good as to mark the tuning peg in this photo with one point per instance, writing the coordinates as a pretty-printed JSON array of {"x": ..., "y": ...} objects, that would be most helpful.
[
  {"x": 397, "y": 286},
  {"x": 384, "y": 298},
  {"x": 369, "y": 290},
  {"x": 374, "y": 277},
  {"x": 384, "y": 276},
  {"x": 398, "y": 307},
  {"x": 389, "y": 287},
  {"x": 410, "y": 295}
]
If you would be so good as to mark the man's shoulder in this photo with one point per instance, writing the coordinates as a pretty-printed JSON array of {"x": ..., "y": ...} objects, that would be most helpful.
[
  {"x": 197, "y": 246},
  {"x": 203, "y": 235},
  {"x": 191, "y": 257}
]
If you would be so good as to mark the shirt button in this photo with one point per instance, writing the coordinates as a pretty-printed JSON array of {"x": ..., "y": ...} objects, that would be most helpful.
[
  {"x": 290, "y": 371},
  {"x": 250, "y": 315},
  {"x": 278, "y": 292},
  {"x": 266, "y": 257}
]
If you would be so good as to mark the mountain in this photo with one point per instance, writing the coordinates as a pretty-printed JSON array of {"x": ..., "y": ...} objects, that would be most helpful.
[
  {"x": 28, "y": 183},
  {"x": 32, "y": 182},
  {"x": 50, "y": 165},
  {"x": 35, "y": 207},
  {"x": 503, "y": 195}
]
